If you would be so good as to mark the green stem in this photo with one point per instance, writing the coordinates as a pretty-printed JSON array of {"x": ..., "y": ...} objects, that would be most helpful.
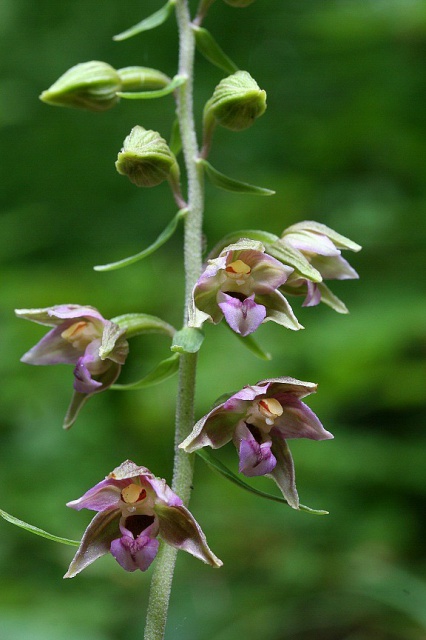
[{"x": 183, "y": 463}]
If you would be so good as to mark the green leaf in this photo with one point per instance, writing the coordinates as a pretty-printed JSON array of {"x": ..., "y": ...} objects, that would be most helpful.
[
  {"x": 36, "y": 530},
  {"x": 210, "y": 49},
  {"x": 164, "y": 369},
  {"x": 154, "y": 20},
  {"x": 157, "y": 93},
  {"x": 137, "y": 323},
  {"x": 229, "y": 184},
  {"x": 218, "y": 466},
  {"x": 294, "y": 258},
  {"x": 250, "y": 343},
  {"x": 187, "y": 340},
  {"x": 162, "y": 239},
  {"x": 253, "y": 234}
]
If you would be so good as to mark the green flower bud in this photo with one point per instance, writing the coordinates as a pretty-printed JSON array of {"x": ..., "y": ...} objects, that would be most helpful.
[
  {"x": 89, "y": 85},
  {"x": 236, "y": 102},
  {"x": 239, "y": 3},
  {"x": 146, "y": 158},
  {"x": 141, "y": 78}
]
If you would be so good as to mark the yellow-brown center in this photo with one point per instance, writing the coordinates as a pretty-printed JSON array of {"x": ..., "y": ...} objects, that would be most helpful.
[
  {"x": 133, "y": 493},
  {"x": 80, "y": 334},
  {"x": 238, "y": 271},
  {"x": 270, "y": 409}
]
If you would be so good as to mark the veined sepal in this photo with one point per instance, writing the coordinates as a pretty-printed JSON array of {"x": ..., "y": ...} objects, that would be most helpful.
[
  {"x": 223, "y": 181},
  {"x": 264, "y": 237},
  {"x": 38, "y": 532},
  {"x": 164, "y": 370},
  {"x": 162, "y": 239},
  {"x": 187, "y": 340},
  {"x": 154, "y": 20},
  {"x": 218, "y": 466},
  {"x": 210, "y": 49},
  {"x": 294, "y": 258}
]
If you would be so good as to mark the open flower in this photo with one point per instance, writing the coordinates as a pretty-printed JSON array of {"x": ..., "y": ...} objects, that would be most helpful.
[
  {"x": 134, "y": 509},
  {"x": 259, "y": 419},
  {"x": 321, "y": 246},
  {"x": 80, "y": 336},
  {"x": 241, "y": 284}
]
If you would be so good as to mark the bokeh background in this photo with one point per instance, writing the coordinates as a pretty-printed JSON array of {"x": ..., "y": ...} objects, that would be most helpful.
[{"x": 342, "y": 142}]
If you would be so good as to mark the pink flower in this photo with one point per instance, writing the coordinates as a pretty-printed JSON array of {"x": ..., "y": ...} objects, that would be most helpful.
[{"x": 134, "y": 509}]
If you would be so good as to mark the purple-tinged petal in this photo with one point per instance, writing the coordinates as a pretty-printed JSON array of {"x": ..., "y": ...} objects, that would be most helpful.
[
  {"x": 103, "y": 496},
  {"x": 268, "y": 273},
  {"x": 256, "y": 458},
  {"x": 96, "y": 541},
  {"x": 285, "y": 384},
  {"x": 313, "y": 296},
  {"x": 334, "y": 268},
  {"x": 298, "y": 420},
  {"x": 52, "y": 349},
  {"x": 244, "y": 317},
  {"x": 83, "y": 381},
  {"x": 132, "y": 554},
  {"x": 54, "y": 316},
  {"x": 283, "y": 472},
  {"x": 180, "y": 530},
  {"x": 310, "y": 242}
]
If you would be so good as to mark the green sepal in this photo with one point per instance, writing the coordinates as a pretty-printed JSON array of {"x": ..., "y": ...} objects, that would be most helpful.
[
  {"x": 294, "y": 258},
  {"x": 154, "y": 20},
  {"x": 162, "y": 239},
  {"x": 137, "y": 323},
  {"x": 218, "y": 466},
  {"x": 331, "y": 300},
  {"x": 210, "y": 49},
  {"x": 164, "y": 369},
  {"x": 175, "y": 143},
  {"x": 250, "y": 343},
  {"x": 158, "y": 93},
  {"x": 187, "y": 340},
  {"x": 36, "y": 530},
  {"x": 252, "y": 234},
  {"x": 222, "y": 181},
  {"x": 340, "y": 241}
]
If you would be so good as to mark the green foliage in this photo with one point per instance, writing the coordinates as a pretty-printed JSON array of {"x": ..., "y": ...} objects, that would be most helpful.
[{"x": 343, "y": 143}]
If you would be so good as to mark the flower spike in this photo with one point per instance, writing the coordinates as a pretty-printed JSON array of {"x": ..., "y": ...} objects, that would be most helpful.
[
  {"x": 259, "y": 419},
  {"x": 134, "y": 508}
]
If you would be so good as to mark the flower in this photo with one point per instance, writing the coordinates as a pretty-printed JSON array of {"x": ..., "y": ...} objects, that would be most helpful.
[
  {"x": 321, "y": 246},
  {"x": 134, "y": 508},
  {"x": 82, "y": 337},
  {"x": 259, "y": 419},
  {"x": 241, "y": 284}
]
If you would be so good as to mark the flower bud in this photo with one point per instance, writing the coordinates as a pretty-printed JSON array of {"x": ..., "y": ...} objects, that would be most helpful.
[
  {"x": 146, "y": 158},
  {"x": 236, "y": 102},
  {"x": 239, "y": 3},
  {"x": 89, "y": 85},
  {"x": 142, "y": 78}
]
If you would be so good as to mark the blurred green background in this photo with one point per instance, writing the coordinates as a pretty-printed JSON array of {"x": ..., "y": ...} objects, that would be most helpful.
[{"x": 342, "y": 142}]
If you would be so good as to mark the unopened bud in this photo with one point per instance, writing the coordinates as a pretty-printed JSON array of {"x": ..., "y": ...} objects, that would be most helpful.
[
  {"x": 89, "y": 85},
  {"x": 146, "y": 158},
  {"x": 236, "y": 102},
  {"x": 142, "y": 78},
  {"x": 239, "y": 3}
]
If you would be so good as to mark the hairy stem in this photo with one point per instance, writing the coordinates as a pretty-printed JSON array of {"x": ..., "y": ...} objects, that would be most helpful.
[{"x": 183, "y": 463}]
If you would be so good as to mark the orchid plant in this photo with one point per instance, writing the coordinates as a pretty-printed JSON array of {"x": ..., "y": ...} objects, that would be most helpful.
[{"x": 244, "y": 280}]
